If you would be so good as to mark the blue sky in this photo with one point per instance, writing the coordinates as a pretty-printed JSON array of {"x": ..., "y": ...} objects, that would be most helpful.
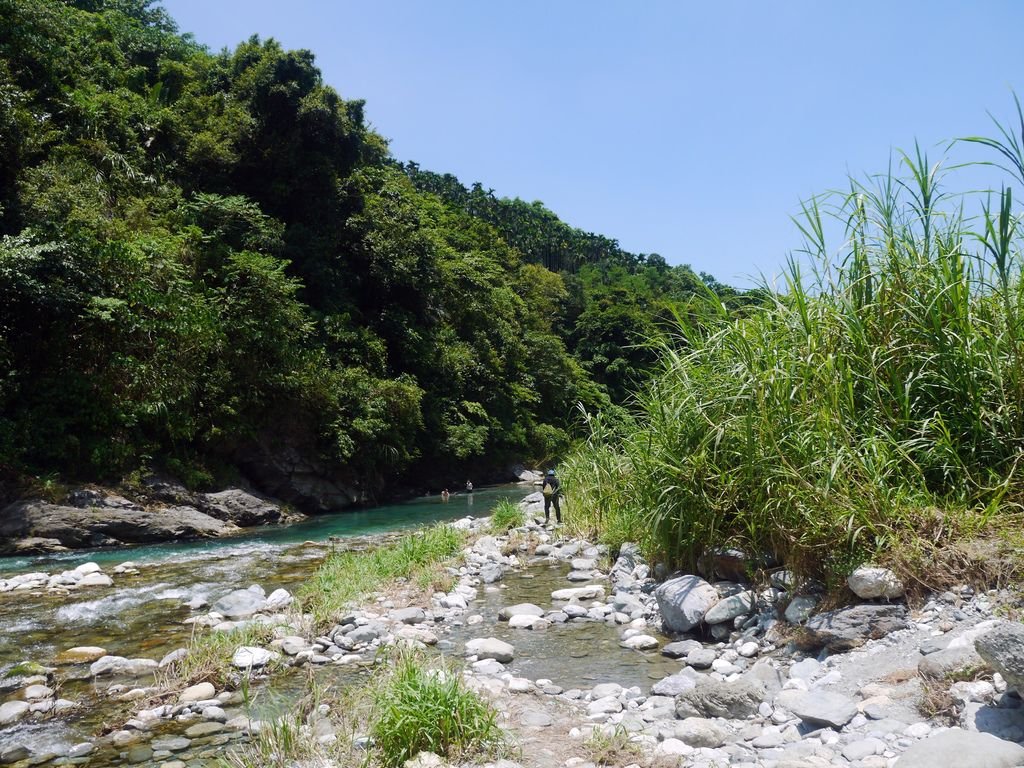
[{"x": 690, "y": 130}]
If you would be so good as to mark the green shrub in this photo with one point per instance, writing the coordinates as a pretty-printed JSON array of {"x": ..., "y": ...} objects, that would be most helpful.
[
  {"x": 419, "y": 708},
  {"x": 506, "y": 515},
  {"x": 611, "y": 747}
]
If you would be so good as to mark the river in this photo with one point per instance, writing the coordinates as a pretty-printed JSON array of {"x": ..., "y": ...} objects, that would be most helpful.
[{"x": 142, "y": 614}]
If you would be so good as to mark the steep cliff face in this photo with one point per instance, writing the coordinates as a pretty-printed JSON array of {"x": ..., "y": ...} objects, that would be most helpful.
[{"x": 288, "y": 467}]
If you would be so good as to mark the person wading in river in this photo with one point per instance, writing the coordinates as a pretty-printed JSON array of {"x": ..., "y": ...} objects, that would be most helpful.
[{"x": 551, "y": 489}]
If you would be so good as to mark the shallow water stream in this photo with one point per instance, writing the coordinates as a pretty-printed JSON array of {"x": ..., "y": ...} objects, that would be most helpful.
[
  {"x": 142, "y": 614},
  {"x": 571, "y": 655}
]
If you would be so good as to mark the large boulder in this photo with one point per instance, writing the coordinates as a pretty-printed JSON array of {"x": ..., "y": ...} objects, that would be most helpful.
[
  {"x": 241, "y": 604},
  {"x": 733, "y": 700},
  {"x": 819, "y": 707},
  {"x": 532, "y": 504},
  {"x": 1003, "y": 649},
  {"x": 523, "y": 475},
  {"x": 851, "y": 627},
  {"x": 869, "y": 583},
  {"x": 239, "y": 507},
  {"x": 102, "y": 526},
  {"x": 956, "y": 748},
  {"x": 684, "y": 601}
]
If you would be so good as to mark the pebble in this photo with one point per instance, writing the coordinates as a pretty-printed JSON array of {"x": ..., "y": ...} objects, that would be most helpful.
[
  {"x": 749, "y": 649},
  {"x": 519, "y": 685},
  {"x": 251, "y": 657},
  {"x": 641, "y": 643}
]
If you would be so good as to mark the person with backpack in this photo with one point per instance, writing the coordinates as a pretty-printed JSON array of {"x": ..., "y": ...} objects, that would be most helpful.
[{"x": 551, "y": 489}]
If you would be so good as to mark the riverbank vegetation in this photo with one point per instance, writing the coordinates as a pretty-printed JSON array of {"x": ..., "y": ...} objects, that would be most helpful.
[
  {"x": 208, "y": 656},
  {"x": 870, "y": 410},
  {"x": 419, "y": 557},
  {"x": 210, "y": 264}
]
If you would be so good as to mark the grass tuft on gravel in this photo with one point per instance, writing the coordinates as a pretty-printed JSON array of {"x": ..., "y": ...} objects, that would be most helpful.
[
  {"x": 505, "y": 516},
  {"x": 421, "y": 706},
  {"x": 209, "y": 655}
]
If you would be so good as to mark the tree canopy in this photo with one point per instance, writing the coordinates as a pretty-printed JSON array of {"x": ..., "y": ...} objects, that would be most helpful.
[{"x": 201, "y": 251}]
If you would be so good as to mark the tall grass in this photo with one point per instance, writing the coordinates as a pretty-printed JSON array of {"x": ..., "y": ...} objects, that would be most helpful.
[
  {"x": 878, "y": 398},
  {"x": 344, "y": 577}
]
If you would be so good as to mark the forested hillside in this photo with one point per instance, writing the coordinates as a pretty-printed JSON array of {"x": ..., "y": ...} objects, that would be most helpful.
[{"x": 210, "y": 264}]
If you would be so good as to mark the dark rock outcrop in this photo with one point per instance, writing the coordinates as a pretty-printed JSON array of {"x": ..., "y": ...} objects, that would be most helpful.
[
  {"x": 101, "y": 526},
  {"x": 290, "y": 471},
  {"x": 239, "y": 507}
]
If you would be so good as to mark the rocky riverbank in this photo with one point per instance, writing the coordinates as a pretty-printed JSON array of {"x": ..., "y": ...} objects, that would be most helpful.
[{"x": 750, "y": 681}]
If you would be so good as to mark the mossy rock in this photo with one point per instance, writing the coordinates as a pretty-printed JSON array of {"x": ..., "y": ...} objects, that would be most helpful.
[
  {"x": 29, "y": 668},
  {"x": 24, "y": 673}
]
